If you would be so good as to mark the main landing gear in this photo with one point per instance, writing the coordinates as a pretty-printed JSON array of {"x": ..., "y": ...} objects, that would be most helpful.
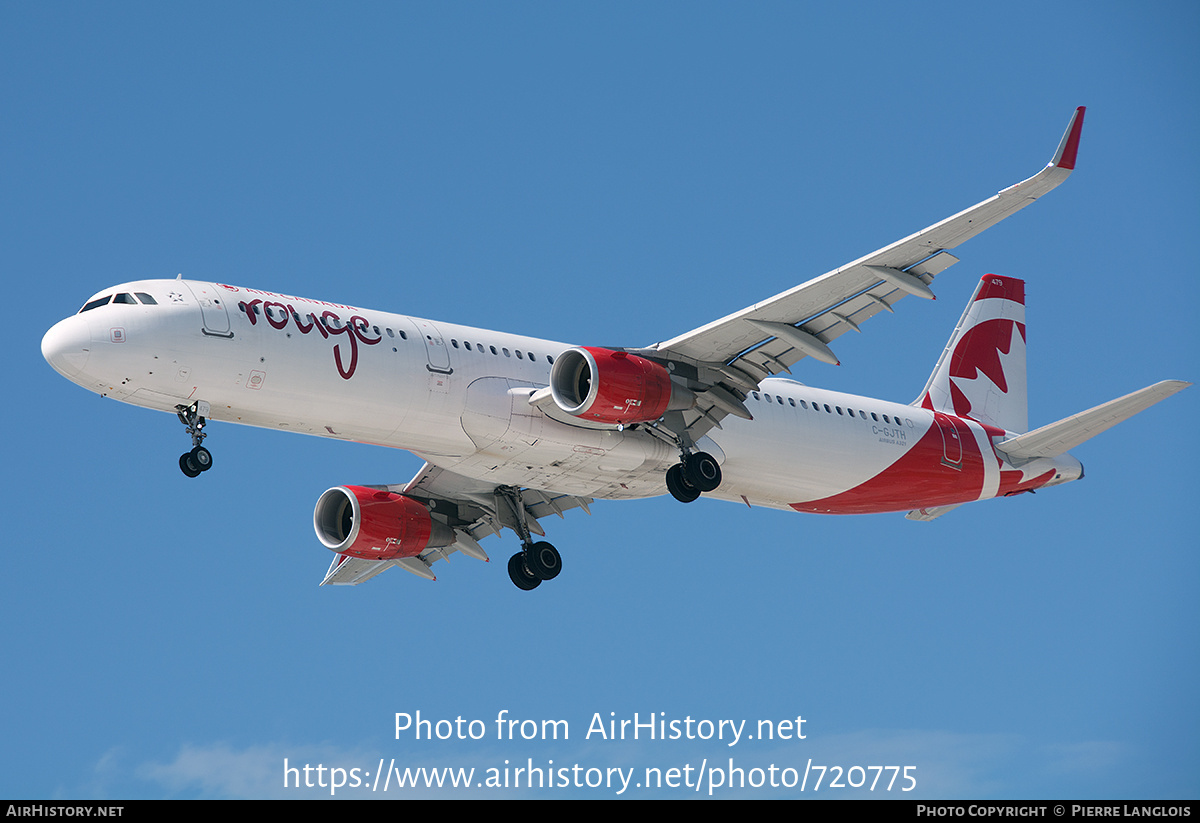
[
  {"x": 536, "y": 561},
  {"x": 697, "y": 472},
  {"x": 199, "y": 459},
  {"x": 533, "y": 564}
]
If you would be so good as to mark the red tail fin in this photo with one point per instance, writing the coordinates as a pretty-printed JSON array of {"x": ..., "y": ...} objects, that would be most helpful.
[{"x": 981, "y": 373}]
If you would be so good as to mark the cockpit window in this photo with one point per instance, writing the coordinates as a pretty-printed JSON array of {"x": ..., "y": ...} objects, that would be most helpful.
[
  {"x": 145, "y": 298},
  {"x": 97, "y": 303},
  {"x": 125, "y": 298}
]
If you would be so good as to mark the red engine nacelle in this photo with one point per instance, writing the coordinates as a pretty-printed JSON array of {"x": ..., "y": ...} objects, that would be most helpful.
[
  {"x": 610, "y": 386},
  {"x": 377, "y": 525}
]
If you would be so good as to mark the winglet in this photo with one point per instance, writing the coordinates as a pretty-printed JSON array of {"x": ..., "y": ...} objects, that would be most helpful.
[{"x": 1064, "y": 158}]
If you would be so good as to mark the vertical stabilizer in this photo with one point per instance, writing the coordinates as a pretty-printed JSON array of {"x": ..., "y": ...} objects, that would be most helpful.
[{"x": 981, "y": 374}]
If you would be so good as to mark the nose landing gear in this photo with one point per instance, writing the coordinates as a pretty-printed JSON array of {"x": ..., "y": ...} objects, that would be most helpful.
[{"x": 199, "y": 459}]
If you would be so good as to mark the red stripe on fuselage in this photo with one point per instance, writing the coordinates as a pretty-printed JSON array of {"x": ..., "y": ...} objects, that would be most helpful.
[
  {"x": 1010, "y": 482},
  {"x": 921, "y": 478}
]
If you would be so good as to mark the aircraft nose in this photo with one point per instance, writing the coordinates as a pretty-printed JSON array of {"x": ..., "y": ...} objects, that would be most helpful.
[{"x": 67, "y": 345}]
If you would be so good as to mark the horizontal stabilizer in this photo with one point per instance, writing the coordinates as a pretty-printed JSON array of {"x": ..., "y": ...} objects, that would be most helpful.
[{"x": 1066, "y": 434}]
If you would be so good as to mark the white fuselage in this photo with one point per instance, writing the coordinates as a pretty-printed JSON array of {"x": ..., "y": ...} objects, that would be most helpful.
[{"x": 458, "y": 397}]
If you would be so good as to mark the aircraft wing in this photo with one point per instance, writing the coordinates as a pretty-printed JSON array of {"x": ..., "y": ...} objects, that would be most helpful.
[
  {"x": 472, "y": 508},
  {"x": 766, "y": 338}
]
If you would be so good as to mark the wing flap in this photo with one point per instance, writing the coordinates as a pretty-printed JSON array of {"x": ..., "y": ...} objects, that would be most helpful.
[
  {"x": 776, "y": 355},
  {"x": 350, "y": 571}
]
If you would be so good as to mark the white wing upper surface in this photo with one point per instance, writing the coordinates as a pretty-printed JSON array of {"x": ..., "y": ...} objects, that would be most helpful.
[{"x": 745, "y": 347}]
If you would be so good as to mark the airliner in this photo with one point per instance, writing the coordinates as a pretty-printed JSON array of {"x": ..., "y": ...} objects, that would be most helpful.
[{"x": 513, "y": 429}]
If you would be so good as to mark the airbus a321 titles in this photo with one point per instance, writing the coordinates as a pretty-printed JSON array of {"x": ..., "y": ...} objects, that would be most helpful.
[{"x": 514, "y": 428}]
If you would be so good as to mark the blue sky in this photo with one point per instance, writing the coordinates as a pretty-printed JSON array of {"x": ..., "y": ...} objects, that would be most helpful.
[{"x": 613, "y": 175}]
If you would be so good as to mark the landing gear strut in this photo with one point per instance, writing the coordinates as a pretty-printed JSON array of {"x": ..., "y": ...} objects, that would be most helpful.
[
  {"x": 536, "y": 561},
  {"x": 696, "y": 472},
  {"x": 199, "y": 459}
]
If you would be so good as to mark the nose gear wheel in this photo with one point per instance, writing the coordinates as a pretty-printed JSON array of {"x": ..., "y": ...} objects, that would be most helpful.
[{"x": 199, "y": 459}]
